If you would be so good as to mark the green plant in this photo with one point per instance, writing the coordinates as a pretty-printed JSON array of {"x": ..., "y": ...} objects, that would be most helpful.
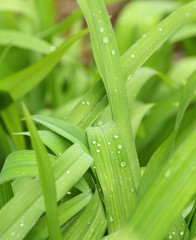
[{"x": 119, "y": 156}]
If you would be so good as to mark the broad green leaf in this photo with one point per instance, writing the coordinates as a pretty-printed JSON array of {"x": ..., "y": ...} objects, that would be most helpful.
[
  {"x": 22, "y": 82},
  {"x": 25, "y": 41},
  {"x": 90, "y": 224},
  {"x": 21, "y": 213},
  {"x": 21, "y": 163},
  {"x": 114, "y": 173},
  {"x": 19, "y": 6},
  {"x": 177, "y": 231},
  {"x": 66, "y": 211},
  {"x": 47, "y": 184},
  {"x": 63, "y": 128},
  {"x": 107, "y": 58}
]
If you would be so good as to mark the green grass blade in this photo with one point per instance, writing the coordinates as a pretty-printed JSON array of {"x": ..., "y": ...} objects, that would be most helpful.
[
  {"x": 6, "y": 193},
  {"x": 22, "y": 82},
  {"x": 22, "y": 212},
  {"x": 24, "y": 40},
  {"x": 63, "y": 128},
  {"x": 108, "y": 63},
  {"x": 21, "y": 163},
  {"x": 89, "y": 225},
  {"x": 18, "y": 6},
  {"x": 47, "y": 183},
  {"x": 53, "y": 141},
  {"x": 137, "y": 55},
  {"x": 113, "y": 171},
  {"x": 62, "y": 26},
  {"x": 65, "y": 212}
]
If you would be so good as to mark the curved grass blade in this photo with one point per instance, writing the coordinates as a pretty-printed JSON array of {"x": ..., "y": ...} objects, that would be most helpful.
[
  {"x": 65, "y": 129},
  {"x": 21, "y": 213},
  {"x": 22, "y": 82},
  {"x": 65, "y": 212},
  {"x": 184, "y": 33},
  {"x": 47, "y": 183},
  {"x": 53, "y": 141},
  {"x": 89, "y": 225},
  {"x": 113, "y": 171},
  {"x": 21, "y": 163},
  {"x": 107, "y": 58},
  {"x": 19, "y": 6},
  {"x": 129, "y": 64},
  {"x": 24, "y": 40}
]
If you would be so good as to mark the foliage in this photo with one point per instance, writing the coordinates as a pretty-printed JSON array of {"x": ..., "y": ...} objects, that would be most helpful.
[{"x": 115, "y": 155}]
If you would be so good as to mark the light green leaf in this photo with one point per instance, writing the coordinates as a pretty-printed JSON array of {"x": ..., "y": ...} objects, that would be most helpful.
[
  {"x": 90, "y": 224},
  {"x": 113, "y": 171},
  {"x": 21, "y": 163},
  {"x": 63, "y": 128},
  {"x": 25, "y": 41},
  {"x": 66, "y": 211},
  {"x": 22, "y": 82},
  {"x": 27, "y": 205},
  {"x": 47, "y": 184}
]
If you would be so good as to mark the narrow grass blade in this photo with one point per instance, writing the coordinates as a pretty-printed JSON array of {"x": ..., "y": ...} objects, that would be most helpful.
[
  {"x": 47, "y": 184},
  {"x": 184, "y": 33},
  {"x": 129, "y": 65},
  {"x": 63, "y": 128},
  {"x": 62, "y": 26},
  {"x": 19, "y": 6},
  {"x": 89, "y": 225},
  {"x": 21, "y": 213},
  {"x": 108, "y": 63},
  {"x": 24, "y": 41},
  {"x": 6, "y": 193},
  {"x": 53, "y": 141},
  {"x": 65, "y": 212},
  {"x": 11, "y": 118},
  {"x": 21, "y": 163},
  {"x": 22, "y": 82},
  {"x": 113, "y": 171}
]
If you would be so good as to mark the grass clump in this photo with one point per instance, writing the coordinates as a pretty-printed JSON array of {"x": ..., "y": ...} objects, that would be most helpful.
[{"x": 115, "y": 155}]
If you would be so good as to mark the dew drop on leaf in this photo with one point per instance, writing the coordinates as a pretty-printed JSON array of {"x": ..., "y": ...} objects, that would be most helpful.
[
  {"x": 123, "y": 164},
  {"x": 106, "y": 40}
]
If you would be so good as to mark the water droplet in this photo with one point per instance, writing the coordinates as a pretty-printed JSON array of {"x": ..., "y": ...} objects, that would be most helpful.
[
  {"x": 92, "y": 230},
  {"x": 118, "y": 152},
  {"x": 119, "y": 146},
  {"x": 100, "y": 123},
  {"x": 144, "y": 35},
  {"x": 132, "y": 190},
  {"x": 52, "y": 48},
  {"x": 88, "y": 103},
  {"x": 116, "y": 136},
  {"x": 98, "y": 145},
  {"x": 168, "y": 173},
  {"x": 98, "y": 150},
  {"x": 60, "y": 154},
  {"x": 69, "y": 193},
  {"x": 22, "y": 224},
  {"x": 106, "y": 40},
  {"x": 100, "y": 11},
  {"x": 112, "y": 189},
  {"x": 101, "y": 29},
  {"x": 170, "y": 236},
  {"x": 99, "y": 20},
  {"x": 94, "y": 167},
  {"x": 160, "y": 29},
  {"x": 187, "y": 15},
  {"x": 111, "y": 219},
  {"x": 94, "y": 142},
  {"x": 68, "y": 172},
  {"x": 13, "y": 233},
  {"x": 83, "y": 102},
  {"x": 182, "y": 233},
  {"x": 132, "y": 55},
  {"x": 109, "y": 143},
  {"x": 115, "y": 90},
  {"x": 123, "y": 164},
  {"x": 113, "y": 52},
  {"x": 106, "y": 176},
  {"x": 173, "y": 233}
]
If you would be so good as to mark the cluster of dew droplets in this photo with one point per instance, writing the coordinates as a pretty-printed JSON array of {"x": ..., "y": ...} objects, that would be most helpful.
[{"x": 86, "y": 102}]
